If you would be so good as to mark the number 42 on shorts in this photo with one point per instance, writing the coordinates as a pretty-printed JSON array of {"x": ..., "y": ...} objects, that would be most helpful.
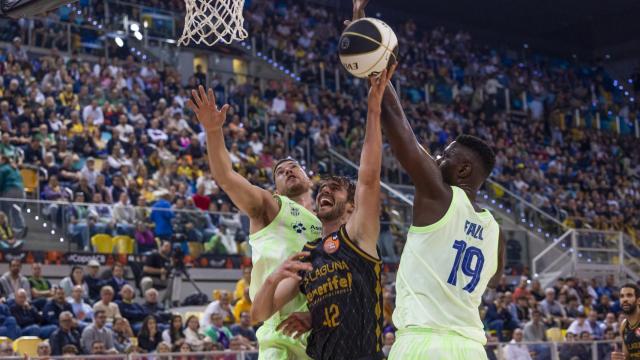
[{"x": 465, "y": 258}]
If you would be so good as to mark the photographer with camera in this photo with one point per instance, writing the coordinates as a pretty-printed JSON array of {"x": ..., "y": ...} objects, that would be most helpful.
[{"x": 157, "y": 268}]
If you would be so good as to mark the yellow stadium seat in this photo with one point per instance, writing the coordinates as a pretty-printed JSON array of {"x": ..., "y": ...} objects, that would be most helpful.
[
  {"x": 134, "y": 341},
  {"x": 98, "y": 164},
  {"x": 102, "y": 243},
  {"x": 124, "y": 245},
  {"x": 215, "y": 294},
  {"x": 195, "y": 249},
  {"x": 4, "y": 339},
  {"x": 555, "y": 335},
  {"x": 27, "y": 345},
  {"x": 30, "y": 181}
]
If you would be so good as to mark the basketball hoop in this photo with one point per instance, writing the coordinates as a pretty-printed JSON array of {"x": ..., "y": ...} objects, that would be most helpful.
[{"x": 210, "y": 21}]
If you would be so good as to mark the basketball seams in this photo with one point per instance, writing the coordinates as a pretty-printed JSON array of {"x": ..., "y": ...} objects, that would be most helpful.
[{"x": 385, "y": 46}]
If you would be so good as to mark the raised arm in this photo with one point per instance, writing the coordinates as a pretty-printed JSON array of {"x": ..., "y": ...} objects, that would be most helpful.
[
  {"x": 279, "y": 288},
  {"x": 416, "y": 161},
  {"x": 364, "y": 224},
  {"x": 247, "y": 197}
]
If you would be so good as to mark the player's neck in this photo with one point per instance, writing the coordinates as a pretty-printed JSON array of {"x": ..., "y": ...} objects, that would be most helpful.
[
  {"x": 305, "y": 200},
  {"x": 633, "y": 318},
  {"x": 329, "y": 227}
]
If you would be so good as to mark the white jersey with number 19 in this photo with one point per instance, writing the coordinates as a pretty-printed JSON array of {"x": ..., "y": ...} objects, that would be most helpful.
[{"x": 445, "y": 268}]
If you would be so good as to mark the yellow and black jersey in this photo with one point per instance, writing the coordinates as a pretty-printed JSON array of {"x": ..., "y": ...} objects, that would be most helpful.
[
  {"x": 344, "y": 294},
  {"x": 631, "y": 338}
]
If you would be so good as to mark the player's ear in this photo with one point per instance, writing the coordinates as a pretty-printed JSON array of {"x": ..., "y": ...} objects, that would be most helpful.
[{"x": 465, "y": 169}]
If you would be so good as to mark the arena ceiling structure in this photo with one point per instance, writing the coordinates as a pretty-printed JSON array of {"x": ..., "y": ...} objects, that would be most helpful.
[{"x": 588, "y": 28}]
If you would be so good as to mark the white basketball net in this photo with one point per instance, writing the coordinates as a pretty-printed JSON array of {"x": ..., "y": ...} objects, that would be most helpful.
[{"x": 210, "y": 21}]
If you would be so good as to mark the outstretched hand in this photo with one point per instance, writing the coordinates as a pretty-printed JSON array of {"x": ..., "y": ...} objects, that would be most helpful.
[
  {"x": 296, "y": 324},
  {"x": 378, "y": 85},
  {"x": 206, "y": 110}
]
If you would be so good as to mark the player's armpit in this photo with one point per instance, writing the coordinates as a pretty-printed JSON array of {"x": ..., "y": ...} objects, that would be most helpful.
[
  {"x": 415, "y": 160},
  {"x": 495, "y": 280}
]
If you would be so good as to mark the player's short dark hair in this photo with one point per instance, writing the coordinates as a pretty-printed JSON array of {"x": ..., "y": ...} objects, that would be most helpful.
[
  {"x": 481, "y": 149},
  {"x": 636, "y": 289},
  {"x": 344, "y": 182},
  {"x": 282, "y": 161}
]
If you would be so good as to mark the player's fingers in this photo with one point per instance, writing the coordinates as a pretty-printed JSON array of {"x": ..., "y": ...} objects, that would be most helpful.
[
  {"x": 211, "y": 97},
  {"x": 203, "y": 95},
  {"x": 390, "y": 72},
  {"x": 292, "y": 275},
  {"x": 224, "y": 109},
  {"x": 298, "y": 266},
  {"x": 299, "y": 255},
  {"x": 196, "y": 97}
]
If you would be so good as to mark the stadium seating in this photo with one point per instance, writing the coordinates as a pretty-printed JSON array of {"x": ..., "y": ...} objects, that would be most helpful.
[
  {"x": 26, "y": 345},
  {"x": 102, "y": 243}
]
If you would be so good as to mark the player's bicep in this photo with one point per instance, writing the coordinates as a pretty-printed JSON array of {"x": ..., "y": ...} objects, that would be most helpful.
[
  {"x": 364, "y": 224},
  {"x": 250, "y": 199},
  {"x": 495, "y": 280}
]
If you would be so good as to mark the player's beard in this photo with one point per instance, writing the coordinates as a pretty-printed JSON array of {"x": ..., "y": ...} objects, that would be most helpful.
[
  {"x": 297, "y": 189},
  {"x": 336, "y": 212},
  {"x": 631, "y": 309}
]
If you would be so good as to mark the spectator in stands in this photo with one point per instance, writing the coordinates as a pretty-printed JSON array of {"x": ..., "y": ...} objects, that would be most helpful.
[
  {"x": 161, "y": 215},
  {"x": 97, "y": 331},
  {"x": 8, "y": 326},
  {"x": 94, "y": 283},
  {"x": 498, "y": 318},
  {"x": 388, "y": 341},
  {"x": 163, "y": 348},
  {"x": 107, "y": 305},
  {"x": 243, "y": 283},
  {"x": 571, "y": 350},
  {"x": 242, "y": 305},
  {"x": 81, "y": 310},
  {"x": 40, "y": 287},
  {"x": 124, "y": 214},
  {"x": 64, "y": 335},
  {"x": 604, "y": 306},
  {"x": 174, "y": 334},
  {"x": 217, "y": 332},
  {"x": 31, "y": 323},
  {"x": 149, "y": 336},
  {"x": 117, "y": 281},
  {"x": 130, "y": 310},
  {"x": 11, "y": 186},
  {"x": 13, "y": 280},
  {"x": 76, "y": 277},
  {"x": 17, "y": 51},
  {"x": 580, "y": 325},
  {"x": 7, "y": 235},
  {"x": 144, "y": 238},
  {"x": 43, "y": 351},
  {"x": 55, "y": 306},
  {"x": 535, "y": 330},
  {"x": 515, "y": 350},
  {"x": 78, "y": 217},
  {"x": 192, "y": 334},
  {"x": 101, "y": 215},
  {"x": 122, "y": 334},
  {"x": 552, "y": 309},
  {"x": 185, "y": 223},
  {"x": 222, "y": 307},
  {"x": 70, "y": 351},
  {"x": 98, "y": 347},
  {"x": 597, "y": 327},
  {"x": 153, "y": 307},
  {"x": 244, "y": 328},
  {"x": 156, "y": 268}
]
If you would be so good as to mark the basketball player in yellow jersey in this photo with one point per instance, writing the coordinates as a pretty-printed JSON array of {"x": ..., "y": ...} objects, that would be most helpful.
[
  {"x": 280, "y": 224},
  {"x": 629, "y": 327}
]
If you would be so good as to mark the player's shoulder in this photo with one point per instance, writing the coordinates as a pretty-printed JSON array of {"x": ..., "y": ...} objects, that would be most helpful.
[{"x": 312, "y": 244}]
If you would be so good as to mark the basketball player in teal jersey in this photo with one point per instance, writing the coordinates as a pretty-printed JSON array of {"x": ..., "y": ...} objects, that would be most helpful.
[
  {"x": 341, "y": 281},
  {"x": 280, "y": 224},
  {"x": 629, "y": 327},
  {"x": 454, "y": 248}
]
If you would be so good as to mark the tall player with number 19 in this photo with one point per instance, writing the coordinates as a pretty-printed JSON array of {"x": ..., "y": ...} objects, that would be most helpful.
[{"x": 454, "y": 249}]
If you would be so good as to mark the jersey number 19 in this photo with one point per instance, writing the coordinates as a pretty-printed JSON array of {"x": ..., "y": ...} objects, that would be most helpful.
[{"x": 465, "y": 256}]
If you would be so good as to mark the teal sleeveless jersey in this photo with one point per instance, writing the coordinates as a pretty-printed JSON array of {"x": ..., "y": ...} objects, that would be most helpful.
[
  {"x": 444, "y": 270},
  {"x": 293, "y": 227}
]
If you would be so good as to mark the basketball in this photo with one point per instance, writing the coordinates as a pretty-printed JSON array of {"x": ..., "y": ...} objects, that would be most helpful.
[{"x": 367, "y": 46}]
